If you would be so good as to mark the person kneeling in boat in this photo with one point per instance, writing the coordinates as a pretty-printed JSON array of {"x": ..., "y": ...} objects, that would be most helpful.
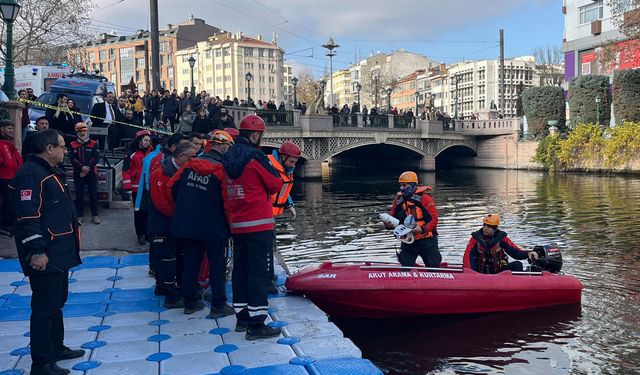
[
  {"x": 488, "y": 248},
  {"x": 417, "y": 201}
]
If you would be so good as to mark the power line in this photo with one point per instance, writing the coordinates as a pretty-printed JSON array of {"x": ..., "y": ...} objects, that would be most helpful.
[{"x": 109, "y": 6}]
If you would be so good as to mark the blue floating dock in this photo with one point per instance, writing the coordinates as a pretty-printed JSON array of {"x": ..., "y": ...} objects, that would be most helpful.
[{"x": 114, "y": 315}]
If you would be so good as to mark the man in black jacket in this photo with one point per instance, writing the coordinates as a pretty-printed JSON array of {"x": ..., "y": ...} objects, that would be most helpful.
[
  {"x": 103, "y": 114},
  {"x": 170, "y": 107},
  {"x": 204, "y": 230},
  {"x": 84, "y": 158},
  {"x": 46, "y": 235}
]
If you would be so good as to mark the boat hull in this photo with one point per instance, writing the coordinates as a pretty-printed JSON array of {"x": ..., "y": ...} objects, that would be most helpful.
[{"x": 372, "y": 291}]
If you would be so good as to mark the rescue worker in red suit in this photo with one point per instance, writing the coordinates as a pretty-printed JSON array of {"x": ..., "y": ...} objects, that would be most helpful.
[
  {"x": 131, "y": 171},
  {"x": 488, "y": 247},
  {"x": 417, "y": 201},
  {"x": 205, "y": 229},
  {"x": 10, "y": 162},
  {"x": 284, "y": 161},
  {"x": 84, "y": 158},
  {"x": 250, "y": 183},
  {"x": 160, "y": 212}
]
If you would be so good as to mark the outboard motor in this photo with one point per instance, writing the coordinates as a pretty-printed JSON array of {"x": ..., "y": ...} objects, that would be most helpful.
[{"x": 549, "y": 258}]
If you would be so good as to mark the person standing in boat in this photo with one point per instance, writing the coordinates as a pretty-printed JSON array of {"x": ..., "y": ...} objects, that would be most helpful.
[
  {"x": 417, "y": 201},
  {"x": 488, "y": 248}
]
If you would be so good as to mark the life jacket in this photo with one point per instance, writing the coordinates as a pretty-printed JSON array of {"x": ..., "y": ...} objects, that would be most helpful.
[
  {"x": 491, "y": 257},
  {"x": 413, "y": 206},
  {"x": 279, "y": 199}
]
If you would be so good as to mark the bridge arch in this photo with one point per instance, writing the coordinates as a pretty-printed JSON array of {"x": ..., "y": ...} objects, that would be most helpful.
[
  {"x": 276, "y": 143},
  {"x": 455, "y": 154},
  {"x": 372, "y": 142}
]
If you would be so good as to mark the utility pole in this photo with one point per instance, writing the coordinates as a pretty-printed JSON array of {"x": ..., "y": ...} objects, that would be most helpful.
[
  {"x": 155, "y": 45},
  {"x": 147, "y": 83},
  {"x": 501, "y": 82}
]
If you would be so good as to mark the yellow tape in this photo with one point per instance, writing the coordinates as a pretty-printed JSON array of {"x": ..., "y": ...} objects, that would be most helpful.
[{"x": 48, "y": 106}]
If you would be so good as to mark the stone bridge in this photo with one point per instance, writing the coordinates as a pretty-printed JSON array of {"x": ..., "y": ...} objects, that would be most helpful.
[{"x": 320, "y": 140}]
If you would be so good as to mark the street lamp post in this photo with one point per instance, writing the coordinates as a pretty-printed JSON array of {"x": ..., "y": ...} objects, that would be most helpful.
[
  {"x": 192, "y": 63},
  {"x": 598, "y": 109},
  {"x": 417, "y": 93},
  {"x": 358, "y": 88},
  {"x": 294, "y": 80},
  {"x": 389, "y": 90},
  {"x": 248, "y": 77},
  {"x": 9, "y": 10},
  {"x": 330, "y": 45},
  {"x": 323, "y": 84}
]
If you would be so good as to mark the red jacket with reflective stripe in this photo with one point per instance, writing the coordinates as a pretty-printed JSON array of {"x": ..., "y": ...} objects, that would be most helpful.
[
  {"x": 132, "y": 169},
  {"x": 249, "y": 198}
]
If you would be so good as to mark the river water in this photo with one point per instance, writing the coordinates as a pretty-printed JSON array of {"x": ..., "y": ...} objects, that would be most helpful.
[{"x": 594, "y": 219}]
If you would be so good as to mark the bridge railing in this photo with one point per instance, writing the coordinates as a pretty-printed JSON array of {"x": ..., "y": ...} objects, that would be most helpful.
[
  {"x": 487, "y": 127},
  {"x": 343, "y": 120},
  {"x": 276, "y": 118},
  {"x": 404, "y": 122},
  {"x": 376, "y": 121}
]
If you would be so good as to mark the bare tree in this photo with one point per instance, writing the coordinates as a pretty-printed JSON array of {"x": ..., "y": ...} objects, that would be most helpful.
[
  {"x": 626, "y": 16},
  {"x": 549, "y": 63},
  {"x": 306, "y": 88},
  {"x": 43, "y": 28}
]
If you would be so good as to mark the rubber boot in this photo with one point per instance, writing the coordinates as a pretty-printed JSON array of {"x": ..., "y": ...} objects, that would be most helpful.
[{"x": 258, "y": 330}]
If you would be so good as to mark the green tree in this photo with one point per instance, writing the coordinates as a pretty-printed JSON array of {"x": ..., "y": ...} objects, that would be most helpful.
[
  {"x": 542, "y": 104},
  {"x": 626, "y": 95},
  {"x": 584, "y": 91}
]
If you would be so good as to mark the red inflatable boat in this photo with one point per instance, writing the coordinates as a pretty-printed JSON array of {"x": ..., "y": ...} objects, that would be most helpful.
[{"x": 379, "y": 290}]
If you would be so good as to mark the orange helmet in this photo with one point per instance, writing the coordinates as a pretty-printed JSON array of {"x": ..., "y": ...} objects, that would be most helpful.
[
  {"x": 491, "y": 219},
  {"x": 408, "y": 177},
  {"x": 290, "y": 149},
  {"x": 221, "y": 136},
  {"x": 253, "y": 123},
  {"x": 81, "y": 126}
]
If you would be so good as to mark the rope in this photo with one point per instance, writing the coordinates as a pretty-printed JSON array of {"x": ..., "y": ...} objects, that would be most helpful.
[{"x": 48, "y": 106}]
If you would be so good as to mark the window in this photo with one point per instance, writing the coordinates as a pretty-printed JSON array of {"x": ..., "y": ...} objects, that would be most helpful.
[
  {"x": 140, "y": 63},
  {"x": 227, "y": 65},
  {"x": 91, "y": 56},
  {"x": 209, "y": 79},
  {"x": 218, "y": 52},
  {"x": 219, "y": 79},
  {"x": 103, "y": 54},
  {"x": 112, "y": 53},
  {"x": 271, "y": 53},
  {"x": 208, "y": 54},
  {"x": 591, "y": 12},
  {"x": 226, "y": 51},
  {"x": 218, "y": 66},
  {"x": 248, "y": 51},
  {"x": 170, "y": 72},
  {"x": 227, "y": 78},
  {"x": 261, "y": 66},
  {"x": 164, "y": 46},
  {"x": 261, "y": 52},
  {"x": 161, "y": 60},
  {"x": 170, "y": 59}
]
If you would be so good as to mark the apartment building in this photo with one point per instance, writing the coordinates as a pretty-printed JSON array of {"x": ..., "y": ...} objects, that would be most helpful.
[
  {"x": 223, "y": 62},
  {"x": 127, "y": 57},
  {"x": 589, "y": 25}
]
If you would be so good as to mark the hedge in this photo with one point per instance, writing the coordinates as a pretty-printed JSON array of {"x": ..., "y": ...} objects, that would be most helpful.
[
  {"x": 542, "y": 104},
  {"x": 626, "y": 95},
  {"x": 583, "y": 91}
]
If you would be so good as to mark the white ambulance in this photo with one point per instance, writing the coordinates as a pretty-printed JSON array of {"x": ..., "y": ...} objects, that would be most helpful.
[{"x": 39, "y": 78}]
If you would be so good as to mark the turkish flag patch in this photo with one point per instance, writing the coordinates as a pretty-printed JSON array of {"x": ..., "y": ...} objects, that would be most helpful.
[{"x": 25, "y": 195}]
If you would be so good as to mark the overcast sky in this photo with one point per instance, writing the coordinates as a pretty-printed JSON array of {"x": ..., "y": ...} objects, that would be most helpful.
[{"x": 445, "y": 30}]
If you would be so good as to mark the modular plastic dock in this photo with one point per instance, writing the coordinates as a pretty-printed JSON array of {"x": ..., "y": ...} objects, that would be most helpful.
[{"x": 113, "y": 314}]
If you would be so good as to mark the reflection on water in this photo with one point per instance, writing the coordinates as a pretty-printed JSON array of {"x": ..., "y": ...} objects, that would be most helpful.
[{"x": 595, "y": 220}]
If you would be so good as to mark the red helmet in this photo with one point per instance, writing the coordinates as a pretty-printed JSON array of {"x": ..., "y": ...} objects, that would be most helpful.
[
  {"x": 142, "y": 133},
  {"x": 290, "y": 149},
  {"x": 233, "y": 132},
  {"x": 253, "y": 123}
]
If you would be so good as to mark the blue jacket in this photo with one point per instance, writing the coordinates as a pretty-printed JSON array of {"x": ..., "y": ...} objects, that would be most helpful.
[{"x": 143, "y": 184}]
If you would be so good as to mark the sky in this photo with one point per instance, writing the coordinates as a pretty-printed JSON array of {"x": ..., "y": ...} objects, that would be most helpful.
[{"x": 445, "y": 30}]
